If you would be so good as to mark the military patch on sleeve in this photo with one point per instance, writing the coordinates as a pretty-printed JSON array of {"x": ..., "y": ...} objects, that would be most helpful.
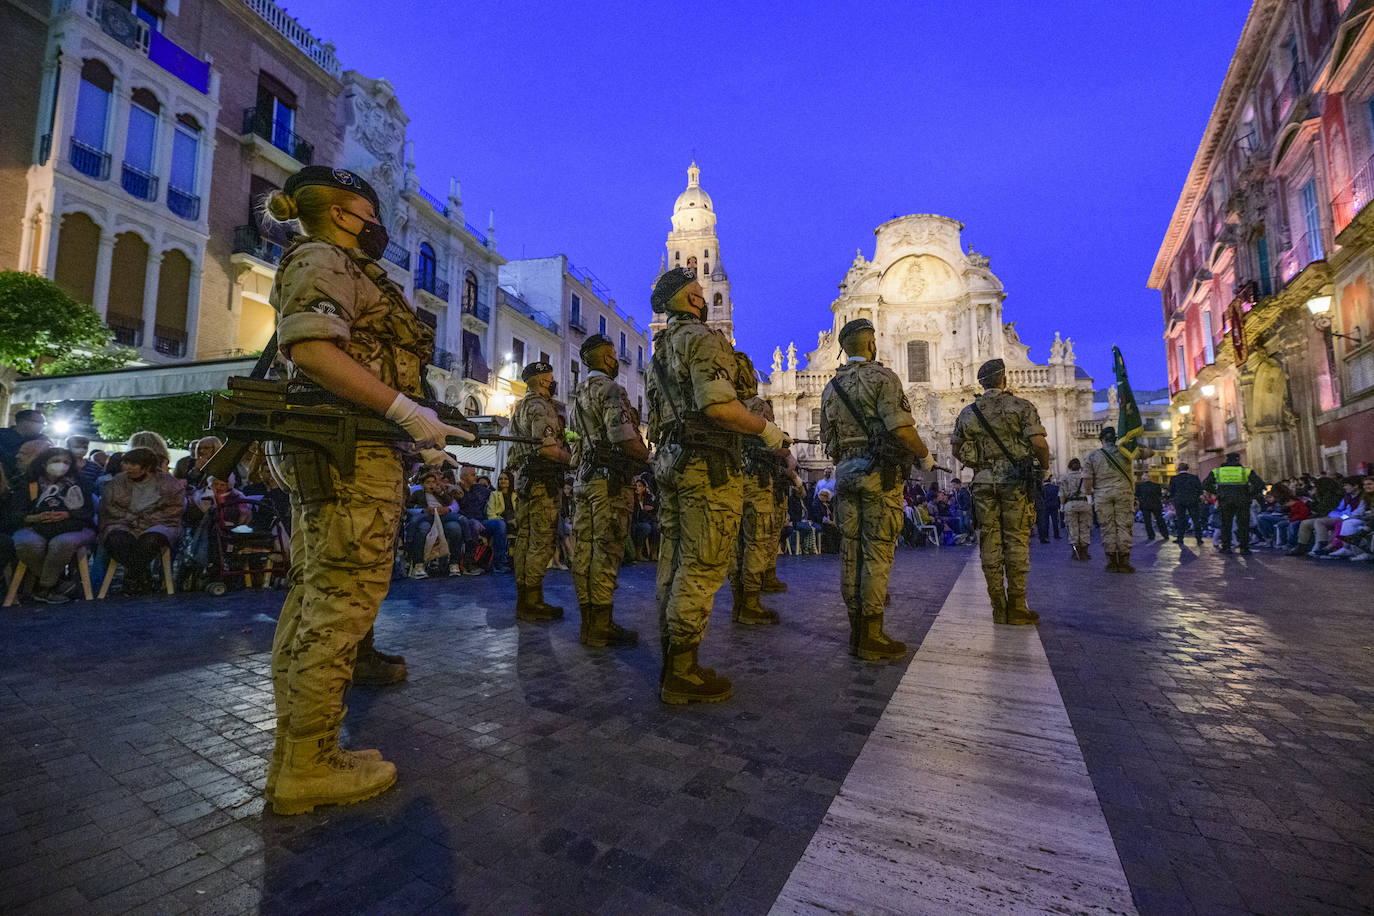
[
  {"x": 720, "y": 372},
  {"x": 326, "y": 307},
  {"x": 906, "y": 403}
]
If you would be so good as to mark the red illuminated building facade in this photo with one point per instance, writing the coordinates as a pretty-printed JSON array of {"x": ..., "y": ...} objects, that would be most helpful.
[{"x": 1267, "y": 269}]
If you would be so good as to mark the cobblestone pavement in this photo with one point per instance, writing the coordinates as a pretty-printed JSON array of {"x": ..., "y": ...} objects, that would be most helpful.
[
  {"x": 1223, "y": 706},
  {"x": 535, "y": 775},
  {"x": 1225, "y": 709}
]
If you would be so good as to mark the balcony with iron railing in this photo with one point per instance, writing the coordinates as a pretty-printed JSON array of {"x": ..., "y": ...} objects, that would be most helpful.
[
  {"x": 438, "y": 205},
  {"x": 247, "y": 240},
  {"x": 127, "y": 331},
  {"x": 476, "y": 233},
  {"x": 183, "y": 203},
  {"x": 397, "y": 255},
  {"x": 1290, "y": 90},
  {"x": 320, "y": 52},
  {"x": 169, "y": 341},
  {"x": 139, "y": 183},
  {"x": 90, "y": 161},
  {"x": 260, "y": 123},
  {"x": 479, "y": 374},
  {"x": 479, "y": 310},
  {"x": 115, "y": 20},
  {"x": 624, "y": 356},
  {"x": 433, "y": 285},
  {"x": 1353, "y": 198},
  {"x": 1304, "y": 251}
]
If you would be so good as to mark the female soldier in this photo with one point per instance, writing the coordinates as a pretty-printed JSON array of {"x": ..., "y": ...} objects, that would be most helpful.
[{"x": 348, "y": 329}]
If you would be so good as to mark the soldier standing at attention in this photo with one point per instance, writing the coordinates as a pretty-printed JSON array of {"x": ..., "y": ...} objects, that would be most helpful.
[
  {"x": 1107, "y": 476},
  {"x": 869, "y": 433},
  {"x": 1078, "y": 514},
  {"x": 758, "y": 534},
  {"x": 992, "y": 435},
  {"x": 541, "y": 469},
  {"x": 606, "y": 447},
  {"x": 695, "y": 420},
  {"x": 345, "y": 327}
]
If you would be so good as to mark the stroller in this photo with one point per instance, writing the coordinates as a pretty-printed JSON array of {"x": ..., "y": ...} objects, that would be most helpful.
[{"x": 240, "y": 539}]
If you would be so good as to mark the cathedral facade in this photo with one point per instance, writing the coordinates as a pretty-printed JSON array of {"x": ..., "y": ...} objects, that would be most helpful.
[{"x": 937, "y": 311}]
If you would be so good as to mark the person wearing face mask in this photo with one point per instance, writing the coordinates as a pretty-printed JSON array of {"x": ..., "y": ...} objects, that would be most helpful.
[
  {"x": 607, "y": 443},
  {"x": 696, "y": 422},
  {"x": 991, "y": 435},
  {"x": 141, "y": 511},
  {"x": 345, "y": 328},
  {"x": 54, "y": 516},
  {"x": 541, "y": 470}
]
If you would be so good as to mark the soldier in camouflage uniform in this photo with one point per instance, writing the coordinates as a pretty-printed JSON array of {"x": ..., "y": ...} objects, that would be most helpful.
[
  {"x": 1004, "y": 509},
  {"x": 758, "y": 536},
  {"x": 541, "y": 470},
  {"x": 1078, "y": 515},
  {"x": 607, "y": 451},
  {"x": 347, "y": 328},
  {"x": 1107, "y": 480},
  {"x": 868, "y": 431},
  {"x": 695, "y": 421}
]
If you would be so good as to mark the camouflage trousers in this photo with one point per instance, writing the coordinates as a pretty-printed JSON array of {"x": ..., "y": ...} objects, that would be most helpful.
[
  {"x": 1005, "y": 517},
  {"x": 1078, "y": 515},
  {"x": 601, "y": 523},
  {"x": 780, "y": 521},
  {"x": 536, "y": 517},
  {"x": 699, "y": 525},
  {"x": 757, "y": 547},
  {"x": 870, "y": 520},
  {"x": 1116, "y": 516},
  {"x": 342, "y": 549}
]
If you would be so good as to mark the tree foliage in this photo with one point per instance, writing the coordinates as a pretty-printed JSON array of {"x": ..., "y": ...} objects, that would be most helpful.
[
  {"x": 180, "y": 418},
  {"x": 40, "y": 323},
  {"x": 112, "y": 357}
]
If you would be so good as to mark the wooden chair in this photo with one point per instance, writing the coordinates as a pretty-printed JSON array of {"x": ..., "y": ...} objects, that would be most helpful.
[
  {"x": 83, "y": 565},
  {"x": 166, "y": 574}
]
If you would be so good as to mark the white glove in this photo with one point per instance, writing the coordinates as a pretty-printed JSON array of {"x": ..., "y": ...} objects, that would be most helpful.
[
  {"x": 438, "y": 458},
  {"x": 928, "y": 462},
  {"x": 423, "y": 424},
  {"x": 1090, "y": 499},
  {"x": 773, "y": 437}
]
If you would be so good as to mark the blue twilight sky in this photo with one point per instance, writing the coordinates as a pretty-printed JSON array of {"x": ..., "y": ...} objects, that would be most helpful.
[{"x": 1058, "y": 133}]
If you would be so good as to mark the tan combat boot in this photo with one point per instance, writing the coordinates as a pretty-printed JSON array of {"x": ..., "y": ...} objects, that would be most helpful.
[
  {"x": 315, "y": 771},
  {"x": 269, "y": 791},
  {"x": 1084, "y": 549},
  {"x": 600, "y": 630},
  {"x": 999, "y": 602},
  {"x": 750, "y": 612},
  {"x": 1017, "y": 613},
  {"x": 1123, "y": 562},
  {"x": 876, "y": 646},
  {"x": 854, "y": 620},
  {"x": 1112, "y": 563},
  {"x": 530, "y": 606},
  {"x": 685, "y": 681},
  {"x": 543, "y": 607},
  {"x": 771, "y": 582}
]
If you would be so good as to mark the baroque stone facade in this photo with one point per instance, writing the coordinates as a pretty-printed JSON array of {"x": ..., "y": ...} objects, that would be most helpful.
[{"x": 938, "y": 314}]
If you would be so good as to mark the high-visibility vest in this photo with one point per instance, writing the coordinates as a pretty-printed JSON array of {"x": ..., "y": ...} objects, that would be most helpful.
[{"x": 1232, "y": 475}]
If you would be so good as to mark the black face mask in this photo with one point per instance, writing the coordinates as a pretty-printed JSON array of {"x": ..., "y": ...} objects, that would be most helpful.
[
  {"x": 553, "y": 389},
  {"x": 372, "y": 238},
  {"x": 612, "y": 369}
]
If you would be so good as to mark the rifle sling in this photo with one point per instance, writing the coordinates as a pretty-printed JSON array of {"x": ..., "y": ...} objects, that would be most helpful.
[{"x": 988, "y": 426}]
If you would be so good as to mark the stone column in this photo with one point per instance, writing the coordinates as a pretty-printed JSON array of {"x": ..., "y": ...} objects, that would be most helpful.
[
  {"x": 117, "y": 131},
  {"x": 47, "y": 97},
  {"x": 152, "y": 271},
  {"x": 193, "y": 305},
  {"x": 64, "y": 114},
  {"x": 162, "y": 155},
  {"x": 104, "y": 260}
]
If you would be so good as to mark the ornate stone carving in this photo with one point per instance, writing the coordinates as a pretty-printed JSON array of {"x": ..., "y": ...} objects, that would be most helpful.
[
  {"x": 1068, "y": 350},
  {"x": 1056, "y": 348},
  {"x": 791, "y": 357},
  {"x": 1009, "y": 333},
  {"x": 777, "y": 359}
]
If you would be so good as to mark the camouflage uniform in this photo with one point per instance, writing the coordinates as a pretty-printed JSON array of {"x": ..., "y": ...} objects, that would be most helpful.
[
  {"x": 699, "y": 522},
  {"x": 600, "y": 414},
  {"x": 757, "y": 545},
  {"x": 1078, "y": 515},
  {"x": 1113, "y": 496},
  {"x": 1005, "y": 513},
  {"x": 536, "y": 512},
  {"x": 869, "y": 516},
  {"x": 343, "y": 530}
]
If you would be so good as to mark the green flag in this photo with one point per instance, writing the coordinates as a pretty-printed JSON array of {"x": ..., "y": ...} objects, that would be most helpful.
[{"x": 1128, "y": 418}]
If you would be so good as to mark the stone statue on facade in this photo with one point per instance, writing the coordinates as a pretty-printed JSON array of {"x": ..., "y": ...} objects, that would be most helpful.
[
  {"x": 984, "y": 336},
  {"x": 1068, "y": 350},
  {"x": 1111, "y": 399},
  {"x": 777, "y": 359},
  {"x": 1056, "y": 348},
  {"x": 791, "y": 357}
]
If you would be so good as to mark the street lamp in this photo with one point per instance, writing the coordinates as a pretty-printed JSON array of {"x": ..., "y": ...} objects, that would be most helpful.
[
  {"x": 1208, "y": 390},
  {"x": 1185, "y": 409},
  {"x": 1320, "y": 307},
  {"x": 1166, "y": 424}
]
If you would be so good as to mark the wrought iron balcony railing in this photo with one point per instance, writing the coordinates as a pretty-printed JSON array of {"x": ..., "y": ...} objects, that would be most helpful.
[
  {"x": 169, "y": 341},
  {"x": 262, "y": 124},
  {"x": 434, "y": 286},
  {"x": 397, "y": 255},
  {"x": 247, "y": 240},
  {"x": 139, "y": 183},
  {"x": 127, "y": 331},
  {"x": 183, "y": 203},
  {"x": 90, "y": 161}
]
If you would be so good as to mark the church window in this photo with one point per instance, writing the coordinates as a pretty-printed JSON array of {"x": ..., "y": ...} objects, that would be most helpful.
[
  {"x": 706, "y": 254},
  {"x": 815, "y": 416},
  {"x": 717, "y": 305},
  {"x": 677, "y": 256},
  {"x": 917, "y": 361}
]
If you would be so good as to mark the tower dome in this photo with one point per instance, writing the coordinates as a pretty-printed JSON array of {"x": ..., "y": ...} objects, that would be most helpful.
[{"x": 693, "y": 209}]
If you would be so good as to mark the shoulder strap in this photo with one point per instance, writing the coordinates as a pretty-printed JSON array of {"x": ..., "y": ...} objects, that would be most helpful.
[
  {"x": 661, "y": 374},
  {"x": 849, "y": 405},
  {"x": 1116, "y": 464},
  {"x": 991, "y": 432}
]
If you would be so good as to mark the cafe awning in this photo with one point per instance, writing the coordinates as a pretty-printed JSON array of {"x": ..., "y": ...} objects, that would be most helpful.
[{"x": 137, "y": 382}]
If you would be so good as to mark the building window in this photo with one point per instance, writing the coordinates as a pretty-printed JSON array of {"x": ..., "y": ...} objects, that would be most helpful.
[
  {"x": 1208, "y": 347},
  {"x": 137, "y": 177},
  {"x": 815, "y": 416},
  {"x": 1311, "y": 218},
  {"x": 92, "y": 114},
  {"x": 718, "y": 306},
  {"x": 470, "y": 292},
  {"x": 573, "y": 369},
  {"x": 640, "y": 360},
  {"x": 471, "y": 407},
  {"x": 917, "y": 361},
  {"x": 544, "y": 358},
  {"x": 601, "y": 322},
  {"x": 517, "y": 353},
  {"x": 181, "y": 179},
  {"x": 1266, "y": 283},
  {"x": 1182, "y": 369},
  {"x": 425, "y": 268},
  {"x": 150, "y": 11},
  {"x": 576, "y": 312},
  {"x": 276, "y": 113},
  {"x": 624, "y": 348}
]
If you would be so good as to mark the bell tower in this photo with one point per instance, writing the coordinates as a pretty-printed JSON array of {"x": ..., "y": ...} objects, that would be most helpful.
[{"x": 693, "y": 243}]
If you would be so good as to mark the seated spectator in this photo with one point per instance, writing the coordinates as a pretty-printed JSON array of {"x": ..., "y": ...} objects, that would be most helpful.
[
  {"x": 430, "y": 496},
  {"x": 1346, "y": 541},
  {"x": 28, "y": 426},
  {"x": 154, "y": 443},
  {"x": 474, "y": 495},
  {"x": 823, "y": 518},
  {"x": 501, "y": 504},
  {"x": 1324, "y": 527},
  {"x": 917, "y": 515},
  {"x": 93, "y": 469},
  {"x": 798, "y": 533},
  {"x": 644, "y": 521},
  {"x": 140, "y": 516},
  {"x": 79, "y": 446},
  {"x": 1295, "y": 513},
  {"x": 202, "y": 450},
  {"x": 113, "y": 465},
  {"x": 54, "y": 516},
  {"x": 233, "y": 507}
]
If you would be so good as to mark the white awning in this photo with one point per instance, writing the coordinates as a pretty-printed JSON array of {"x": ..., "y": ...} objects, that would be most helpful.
[{"x": 138, "y": 382}]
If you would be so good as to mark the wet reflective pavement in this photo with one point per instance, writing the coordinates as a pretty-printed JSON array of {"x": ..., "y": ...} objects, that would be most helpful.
[{"x": 1222, "y": 707}]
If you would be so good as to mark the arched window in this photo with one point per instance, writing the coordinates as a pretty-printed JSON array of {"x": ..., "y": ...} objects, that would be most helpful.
[
  {"x": 425, "y": 268},
  {"x": 88, "y": 154},
  {"x": 717, "y": 304},
  {"x": 471, "y": 407},
  {"x": 136, "y": 174},
  {"x": 181, "y": 179},
  {"x": 470, "y": 292},
  {"x": 917, "y": 361}
]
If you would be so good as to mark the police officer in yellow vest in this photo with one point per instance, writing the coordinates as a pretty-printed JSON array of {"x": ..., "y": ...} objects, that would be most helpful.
[
  {"x": 346, "y": 328},
  {"x": 1235, "y": 486}
]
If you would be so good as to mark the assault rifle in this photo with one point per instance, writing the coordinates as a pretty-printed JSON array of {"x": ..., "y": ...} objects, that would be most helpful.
[{"x": 256, "y": 409}]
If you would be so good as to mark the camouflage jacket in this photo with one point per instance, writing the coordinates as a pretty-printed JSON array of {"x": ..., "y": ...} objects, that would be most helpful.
[
  {"x": 698, "y": 365},
  {"x": 600, "y": 414},
  {"x": 1015, "y": 420},
  {"x": 876, "y": 393},
  {"x": 535, "y": 416}
]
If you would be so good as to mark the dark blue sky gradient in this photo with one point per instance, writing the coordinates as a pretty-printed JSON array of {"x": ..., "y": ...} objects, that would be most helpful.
[{"x": 1058, "y": 133}]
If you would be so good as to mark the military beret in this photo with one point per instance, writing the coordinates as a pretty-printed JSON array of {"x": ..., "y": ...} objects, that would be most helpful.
[
  {"x": 1108, "y": 432},
  {"x": 990, "y": 370},
  {"x": 668, "y": 286},
  {"x": 1233, "y": 456},
  {"x": 533, "y": 369},
  {"x": 342, "y": 179},
  {"x": 591, "y": 343},
  {"x": 854, "y": 327}
]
